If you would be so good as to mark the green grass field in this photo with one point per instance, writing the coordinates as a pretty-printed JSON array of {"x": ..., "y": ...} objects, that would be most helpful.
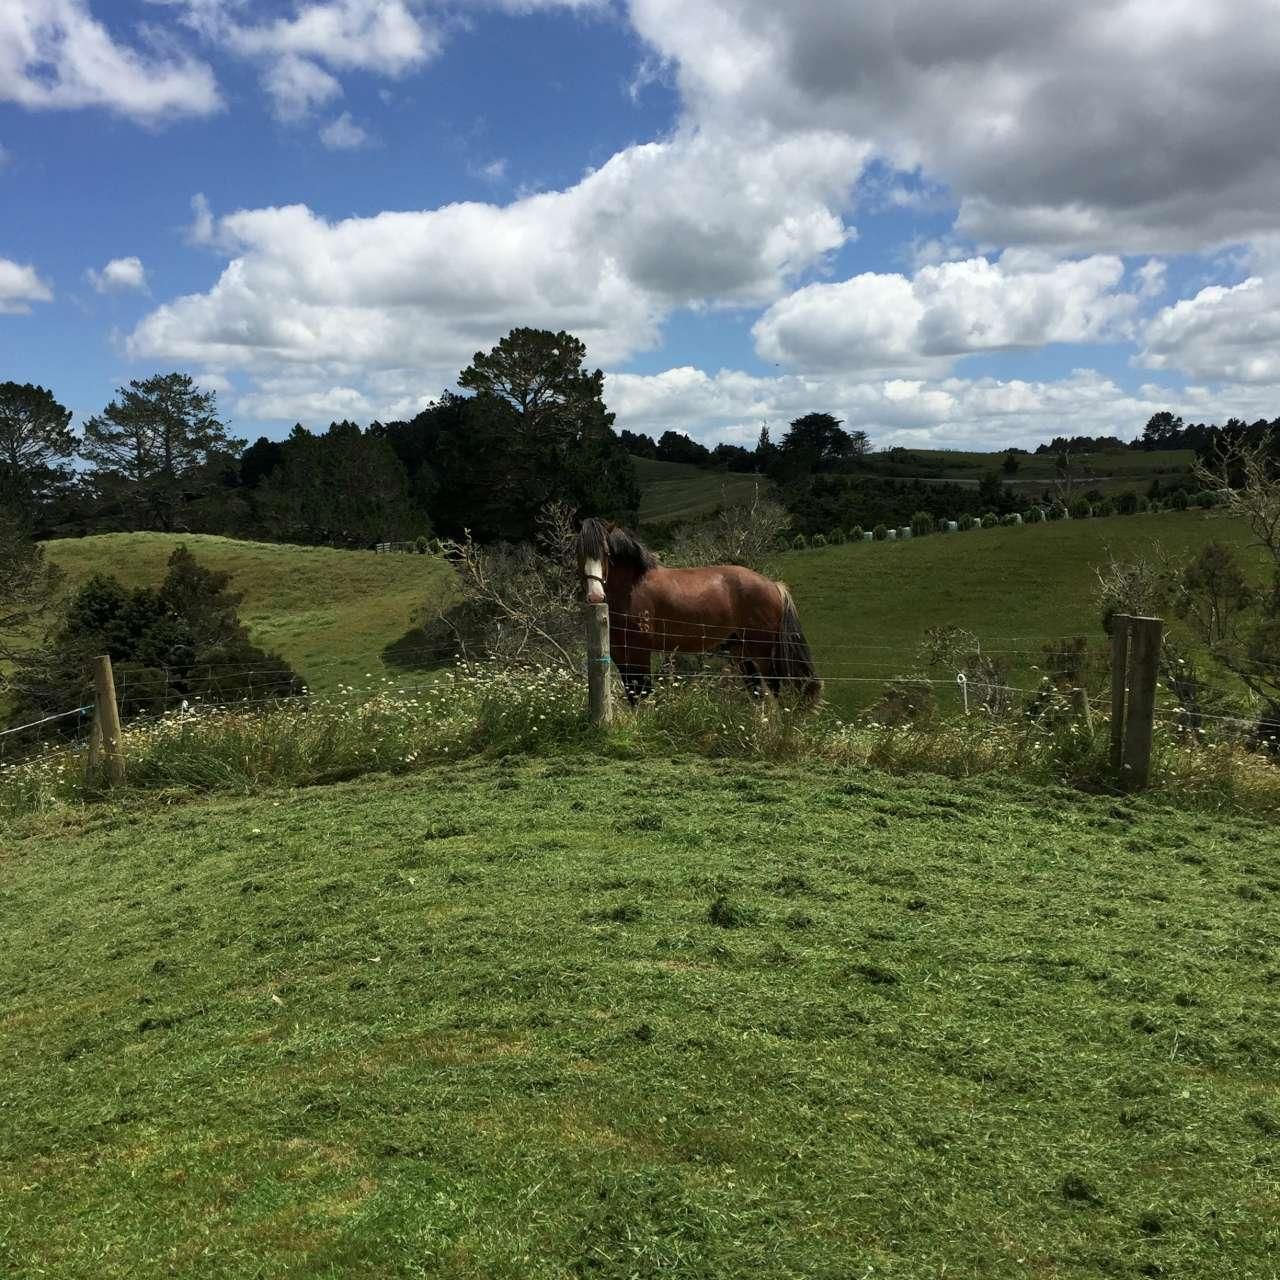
[
  {"x": 676, "y": 491},
  {"x": 569, "y": 1017},
  {"x": 865, "y": 606},
  {"x": 330, "y": 613},
  {"x": 1112, "y": 471}
]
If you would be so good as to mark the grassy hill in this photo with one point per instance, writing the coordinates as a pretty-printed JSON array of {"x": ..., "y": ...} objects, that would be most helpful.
[
  {"x": 866, "y": 606},
  {"x": 574, "y": 1017},
  {"x": 330, "y": 613},
  {"x": 673, "y": 491},
  {"x": 1112, "y": 471}
]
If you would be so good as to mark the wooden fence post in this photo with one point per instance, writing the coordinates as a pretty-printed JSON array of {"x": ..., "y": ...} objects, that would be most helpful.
[
  {"x": 1119, "y": 673},
  {"x": 1140, "y": 709},
  {"x": 107, "y": 717},
  {"x": 599, "y": 686},
  {"x": 1080, "y": 705}
]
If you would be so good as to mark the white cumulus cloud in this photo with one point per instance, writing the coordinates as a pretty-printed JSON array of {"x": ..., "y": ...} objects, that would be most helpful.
[
  {"x": 57, "y": 54},
  {"x": 888, "y": 322},
  {"x": 1120, "y": 125},
  {"x": 343, "y": 134},
  {"x": 687, "y": 221},
  {"x": 985, "y": 413},
  {"x": 297, "y": 86},
  {"x": 118, "y": 276},
  {"x": 20, "y": 286}
]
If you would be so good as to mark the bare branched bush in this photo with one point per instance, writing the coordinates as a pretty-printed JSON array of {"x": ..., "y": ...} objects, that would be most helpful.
[
  {"x": 749, "y": 534},
  {"x": 520, "y": 604},
  {"x": 1246, "y": 476},
  {"x": 986, "y": 676},
  {"x": 1207, "y": 594}
]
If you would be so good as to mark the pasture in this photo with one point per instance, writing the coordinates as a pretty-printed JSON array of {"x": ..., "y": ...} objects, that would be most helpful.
[
  {"x": 673, "y": 491},
  {"x": 866, "y": 606},
  {"x": 570, "y": 1017},
  {"x": 1112, "y": 470},
  {"x": 330, "y": 613}
]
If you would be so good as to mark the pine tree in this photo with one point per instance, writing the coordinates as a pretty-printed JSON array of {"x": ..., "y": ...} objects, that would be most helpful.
[{"x": 159, "y": 438}]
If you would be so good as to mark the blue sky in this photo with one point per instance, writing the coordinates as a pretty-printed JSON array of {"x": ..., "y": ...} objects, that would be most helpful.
[{"x": 967, "y": 229}]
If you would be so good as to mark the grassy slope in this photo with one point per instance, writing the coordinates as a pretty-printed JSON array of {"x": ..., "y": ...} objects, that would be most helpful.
[
  {"x": 477, "y": 1023},
  {"x": 330, "y": 613},
  {"x": 1115, "y": 471},
  {"x": 865, "y": 607},
  {"x": 677, "y": 491}
]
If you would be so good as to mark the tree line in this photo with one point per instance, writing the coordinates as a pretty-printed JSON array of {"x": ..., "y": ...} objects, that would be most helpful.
[{"x": 528, "y": 426}]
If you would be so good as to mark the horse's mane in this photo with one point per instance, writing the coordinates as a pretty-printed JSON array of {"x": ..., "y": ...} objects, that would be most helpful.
[{"x": 598, "y": 539}]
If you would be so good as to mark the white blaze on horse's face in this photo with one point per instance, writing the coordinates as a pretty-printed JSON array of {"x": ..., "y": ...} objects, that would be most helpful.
[{"x": 593, "y": 572}]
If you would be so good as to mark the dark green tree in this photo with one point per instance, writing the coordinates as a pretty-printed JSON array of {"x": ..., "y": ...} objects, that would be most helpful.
[
  {"x": 259, "y": 460},
  {"x": 675, "y": 446},
  {"x": 182, "y": 640},
  {"x": 991, "y": 492},
  {"x": 163, "y": 439},
  {"x": 637, "y": 444},
  {"x": 766, "y": 451},
  {"x": 345, "y": 488},
  {"x": 559, "y": 439},
  {"x": 1162, "y": 431},
  {"x": 540, "y": 374},
  {"x": 36, "y": 441},
  {"x": 817, "y": 442}
]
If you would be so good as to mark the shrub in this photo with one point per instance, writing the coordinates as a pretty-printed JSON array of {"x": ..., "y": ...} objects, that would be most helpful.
[
  {"x": 1206, "y": 498},
  {"x": 856, "y": 533},
  {"x": 819, "y": 540},
  {"x": 1056, "y": 512},
  {"x": 1146, "y": 504},
  {"x": 922, "y": 523},
  {"x": 1035, "y": 515},
  {"x": 880, "y": 533},
  {"x": 1127, "y": 503},
  {"x": 990, "y": 520},
  {"x": 799, "y": 542},
  {"x": 1179, "y": 500},
  {"x": 421, "y": 546},
  {"x": 836, "y": 537},
  {"x": 904, "y": 701},
  {"x": 1012, "y": 520},
  {"x": 1104, "y": 508},
  {"x": 1080, "y": 509}
]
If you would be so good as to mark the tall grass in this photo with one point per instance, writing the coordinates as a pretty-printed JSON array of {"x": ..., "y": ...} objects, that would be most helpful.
[{"x": 479, "y": 711}]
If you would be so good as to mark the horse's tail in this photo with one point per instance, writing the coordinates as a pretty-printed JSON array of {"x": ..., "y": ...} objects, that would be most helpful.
[{"x": 792, "y": 660}]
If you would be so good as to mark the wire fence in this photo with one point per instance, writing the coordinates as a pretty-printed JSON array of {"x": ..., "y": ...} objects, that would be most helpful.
[{"x": 994, "y": 673}]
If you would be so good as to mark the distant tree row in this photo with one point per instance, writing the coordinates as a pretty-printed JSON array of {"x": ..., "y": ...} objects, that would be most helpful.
[
  {"x": 1167, "y": 431},
  {"x": 533, "y": 428},
  {"x": 816, "y": 441}
]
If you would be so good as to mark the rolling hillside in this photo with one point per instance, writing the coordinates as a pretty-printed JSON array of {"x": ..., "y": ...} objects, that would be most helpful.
[
  {"x": 866, "y": 606},
  {"x": 673, "y": 491},
  {"x": 330, "y": 613},
  {"x": 578, "y": 1017},
  {"x": 1112, "y": 471}
]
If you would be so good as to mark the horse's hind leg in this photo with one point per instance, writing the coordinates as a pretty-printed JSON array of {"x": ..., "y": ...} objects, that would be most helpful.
[
  {"x": 636, "y": 681},
  {"x": 751, "y": 677}
]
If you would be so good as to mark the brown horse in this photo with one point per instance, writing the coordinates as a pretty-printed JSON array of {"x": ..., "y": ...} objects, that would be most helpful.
[{"x": 722, "y": 607}]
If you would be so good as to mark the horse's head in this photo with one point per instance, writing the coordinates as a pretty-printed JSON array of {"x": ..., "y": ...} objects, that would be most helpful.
[{"x": 593, "y": 557}]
